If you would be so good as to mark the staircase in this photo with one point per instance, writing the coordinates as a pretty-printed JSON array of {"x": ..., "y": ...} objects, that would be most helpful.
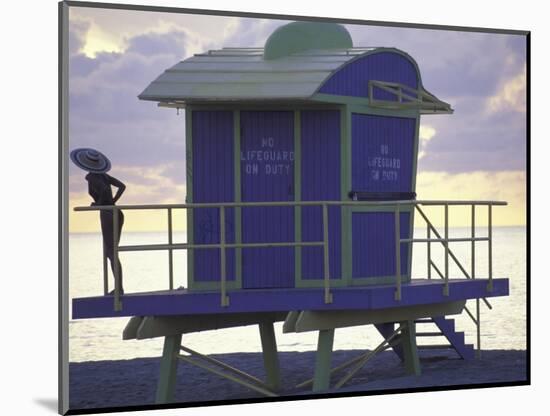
[
  {"x": 456, "y": 339},
  {"x": 446, "y": 328}
]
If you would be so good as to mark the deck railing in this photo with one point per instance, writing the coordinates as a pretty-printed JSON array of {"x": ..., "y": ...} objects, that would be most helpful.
[
  {"x": 449, "y": 253},
  {"x": 397, "y": 206}
]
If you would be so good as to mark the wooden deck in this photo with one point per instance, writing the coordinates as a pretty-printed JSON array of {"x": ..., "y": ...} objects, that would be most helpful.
[{"x": 183, "y": 302}]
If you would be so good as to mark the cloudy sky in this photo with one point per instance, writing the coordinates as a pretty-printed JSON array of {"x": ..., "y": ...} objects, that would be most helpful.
[{"x": 476, "y": 153}]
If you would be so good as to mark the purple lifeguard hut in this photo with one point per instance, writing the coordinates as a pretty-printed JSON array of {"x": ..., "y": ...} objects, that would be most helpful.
[{"x": 301, "y": 171}]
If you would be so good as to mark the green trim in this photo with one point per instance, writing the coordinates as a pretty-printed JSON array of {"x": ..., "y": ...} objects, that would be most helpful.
[
  {"x": 415, "y": 153},
  {"x": 339, "y": 99},
  {"x": 379, "y": 208},
  {"x": 344, "y": 139},
  {"x": 345, "y": 188},
  {"x": 297, "y": 196},
  {"x": 237, "y": 195},
  {"x": 267, "y": 106},
  {"x": 376, "y": 280},
  {"x": 361, "y": 105},
  {"x": 343, "y": 196},
  {"x": 319, "y": 283},
  {"x": 416, "y": 146},
  {"x": 360, "y": 109},
  {"x": 189, "y": 198}
]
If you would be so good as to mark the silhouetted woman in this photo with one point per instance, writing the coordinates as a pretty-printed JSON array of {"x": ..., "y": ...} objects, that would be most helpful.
[{"x": 99, "y": 188}]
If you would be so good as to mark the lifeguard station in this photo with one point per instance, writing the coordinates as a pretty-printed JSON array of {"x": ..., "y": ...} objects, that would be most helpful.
[{"x": 301, "y": 171}]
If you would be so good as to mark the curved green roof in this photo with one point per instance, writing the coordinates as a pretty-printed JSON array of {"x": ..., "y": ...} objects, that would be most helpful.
[
  {"x": 243, "y": 74},
  {"x": 303, "y": 36},
  {"x": 297, "y": 60}
]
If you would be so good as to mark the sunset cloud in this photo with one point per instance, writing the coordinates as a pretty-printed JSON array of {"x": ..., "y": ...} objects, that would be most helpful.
[
  {"x": 511, "y": 96},
  {"x": 507, "y": 186},
  {"x": 426, "y": 132},
  {"x": 105, "y": 112},
  {"x": 464, "y": 69},
  {"x": 476, "y": 152}
]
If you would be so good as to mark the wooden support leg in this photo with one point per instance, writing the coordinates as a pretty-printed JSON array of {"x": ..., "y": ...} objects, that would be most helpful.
[
  {"x": 168, "y": 369},
  {"x": 410, "y": 351},
  {"x": 271, "y": 358},
  {"x": 321, "y": 380}
]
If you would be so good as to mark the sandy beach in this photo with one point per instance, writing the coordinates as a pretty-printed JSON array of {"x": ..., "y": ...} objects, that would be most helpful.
[{"x": 98, "y": 384}]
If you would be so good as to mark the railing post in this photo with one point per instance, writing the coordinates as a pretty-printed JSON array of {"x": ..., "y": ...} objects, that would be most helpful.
[
  {"x": 490, "y": 247},
  {"x": 473, "y": 275},
  {"x": 473, "y": 272},
  {"x": 326, "y": 255},
  {"x": 453, "y": 257},
  {"x": 429, "y": 250},
  {"x": 116, "y": 268},
  {"x": 478, "y": 325},
  {"x": 105, "y": 271},
  {"x": 446, "y": 287},
  {"x": 170, "y": 252},
  {"x": 397, "y": 254},
  {"x": 224, "y": 298}
]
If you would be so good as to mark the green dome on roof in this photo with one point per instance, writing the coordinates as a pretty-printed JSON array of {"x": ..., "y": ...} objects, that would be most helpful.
[{"x": 302, "y": 36}]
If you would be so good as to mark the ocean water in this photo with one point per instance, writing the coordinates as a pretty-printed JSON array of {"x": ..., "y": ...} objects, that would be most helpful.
[{"x": 503, "y": 327}]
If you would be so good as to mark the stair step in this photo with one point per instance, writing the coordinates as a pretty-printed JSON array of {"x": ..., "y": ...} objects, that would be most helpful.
[
  {"x": 456, "y": 339},
  {"x": 446, "y": 325},
  {"x": 429, "y": 334},
  {"x": 461, "y": 337}
]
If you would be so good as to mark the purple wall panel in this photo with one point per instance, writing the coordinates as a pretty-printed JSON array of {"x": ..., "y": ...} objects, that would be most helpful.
[
  {"x": 320, "y": 177},
  {"x": 382, "y": 161},
  {"x": 382, "y": 153},
  {"x": 267, "y": 174},
  {"x": 373, "y": 237},
  {"x": 353, "y": 79},
  {"x": 212, "y": 182}
]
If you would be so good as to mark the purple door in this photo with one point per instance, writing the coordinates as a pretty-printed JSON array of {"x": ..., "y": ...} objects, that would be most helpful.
[
  {"x": 320, "y": 149},
  {"x": 213, "y": 182},
  {"x": 267, "y": 174},
  {"x": 382, "y": 165}
]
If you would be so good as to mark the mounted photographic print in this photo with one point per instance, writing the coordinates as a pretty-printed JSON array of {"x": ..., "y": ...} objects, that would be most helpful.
[{"x": 262, "y": 208}]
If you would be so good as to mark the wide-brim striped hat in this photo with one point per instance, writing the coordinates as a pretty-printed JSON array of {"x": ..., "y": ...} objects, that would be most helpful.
[{"x": 90, "y": 160}]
